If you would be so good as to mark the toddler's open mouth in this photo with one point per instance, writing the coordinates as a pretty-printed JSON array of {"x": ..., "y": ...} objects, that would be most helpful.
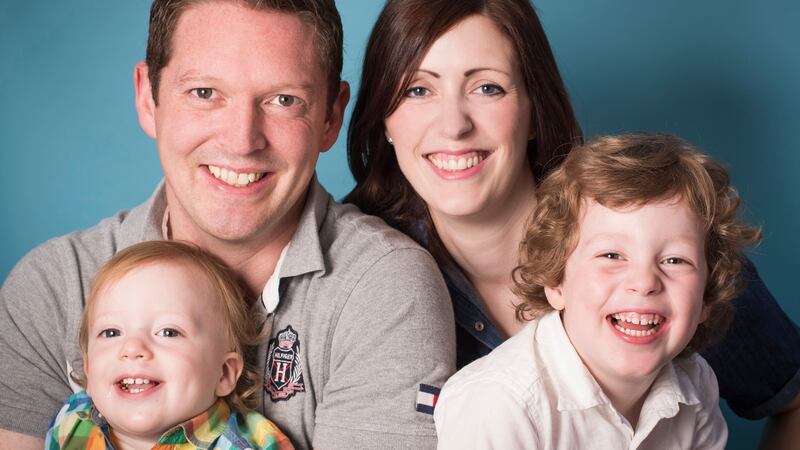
[
  {"x": 137, "y": 385},
  {"x": 635, "y": 324}
]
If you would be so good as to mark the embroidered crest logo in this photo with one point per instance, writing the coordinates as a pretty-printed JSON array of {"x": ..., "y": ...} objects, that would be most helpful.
[{"x": 285, "y": 371}]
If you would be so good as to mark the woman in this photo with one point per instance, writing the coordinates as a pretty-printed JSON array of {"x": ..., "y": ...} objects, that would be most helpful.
[{"x": 460, "y": 113}]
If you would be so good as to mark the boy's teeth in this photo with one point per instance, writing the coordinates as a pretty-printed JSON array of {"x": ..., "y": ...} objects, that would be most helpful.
[
  {"x": 457, "y": 164},
  {"x": 638, "y": 319},
  {"x": 234, "y": 178}
]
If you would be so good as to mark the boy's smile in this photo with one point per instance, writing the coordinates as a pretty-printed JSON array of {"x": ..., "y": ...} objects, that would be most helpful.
[{"x": 632, "y": 293}]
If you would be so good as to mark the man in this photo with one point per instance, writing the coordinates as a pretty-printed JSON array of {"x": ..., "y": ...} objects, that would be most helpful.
[{"x": 241, "y": 97}]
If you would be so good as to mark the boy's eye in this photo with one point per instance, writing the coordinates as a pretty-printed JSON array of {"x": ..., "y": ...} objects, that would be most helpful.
[
  {"x": 109, "y": 333},
  {"x": 611, "y": 255},
  {"x": 204, "y": 93},
  {"x": 675, "y": 260},
  {"x": 168, "y": 332}
]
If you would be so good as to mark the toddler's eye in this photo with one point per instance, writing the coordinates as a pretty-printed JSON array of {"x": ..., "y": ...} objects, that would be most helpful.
[
  {"x": 168, "y": 332},
  {"x": 611, "y": 255},
  {"x": 109, "y": 333}
]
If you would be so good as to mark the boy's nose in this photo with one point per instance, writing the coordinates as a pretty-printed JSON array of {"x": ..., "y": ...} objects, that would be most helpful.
[
  {"x": 643, "y": 280},
  {"x": 135, "y": 348}
]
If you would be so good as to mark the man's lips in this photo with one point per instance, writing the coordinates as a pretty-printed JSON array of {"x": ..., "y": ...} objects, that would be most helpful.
[{"x": 234, "y": 178}]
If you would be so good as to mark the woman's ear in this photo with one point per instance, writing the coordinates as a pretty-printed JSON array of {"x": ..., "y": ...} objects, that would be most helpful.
[
  {"x": 232, "y": 367},
  {"x": 555, "y": 297}
]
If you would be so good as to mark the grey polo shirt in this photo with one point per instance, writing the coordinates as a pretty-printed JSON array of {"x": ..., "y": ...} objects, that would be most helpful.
[{"x": 363, "y": 320}]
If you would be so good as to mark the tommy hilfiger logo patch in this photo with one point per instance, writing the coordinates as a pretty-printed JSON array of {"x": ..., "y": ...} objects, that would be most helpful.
[
  {"x": 427, "y": 396},
  {"x": 284, "y": 376}
]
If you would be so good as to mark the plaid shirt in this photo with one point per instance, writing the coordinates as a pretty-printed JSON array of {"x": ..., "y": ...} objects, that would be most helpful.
[{"x": 79, "y": 426}]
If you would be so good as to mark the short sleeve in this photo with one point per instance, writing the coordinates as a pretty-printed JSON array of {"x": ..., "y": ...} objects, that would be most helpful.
[
  {"x": 758, "y": 362},
  {"x": 33, "y": 381},
  {"x": 395, "y": 333},
  {"x": 483, "y": 415}
]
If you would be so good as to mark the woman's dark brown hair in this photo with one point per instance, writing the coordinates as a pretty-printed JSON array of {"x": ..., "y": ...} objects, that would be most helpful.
[{"x": 404, "y": 32}]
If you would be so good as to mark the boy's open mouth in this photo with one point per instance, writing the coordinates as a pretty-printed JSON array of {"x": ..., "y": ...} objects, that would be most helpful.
[
  {"x": 636, "y": 324},
  {"x": 137, "y": 385}
]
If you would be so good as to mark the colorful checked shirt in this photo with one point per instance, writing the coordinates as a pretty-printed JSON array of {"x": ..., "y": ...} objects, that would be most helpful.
[{"x": 80, "y": 426}]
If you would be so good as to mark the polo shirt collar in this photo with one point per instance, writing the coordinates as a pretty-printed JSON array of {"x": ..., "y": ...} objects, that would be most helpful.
[
  {"x": 201, "y": 430},
  {"x": 578, "y": 390},
  {"x": 304, "y": 253}
]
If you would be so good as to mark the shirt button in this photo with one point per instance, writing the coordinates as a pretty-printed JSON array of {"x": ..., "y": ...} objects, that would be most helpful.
[{"x": 479, "y": 326}]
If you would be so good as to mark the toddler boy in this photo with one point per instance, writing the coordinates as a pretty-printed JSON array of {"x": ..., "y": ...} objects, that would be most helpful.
[
  {"x": 163, "y": 337},
  {"x": 629, "y": 262}
]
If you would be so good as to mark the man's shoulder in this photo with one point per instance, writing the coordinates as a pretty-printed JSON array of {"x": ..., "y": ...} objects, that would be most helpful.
[{"x": 348, "y": 232}]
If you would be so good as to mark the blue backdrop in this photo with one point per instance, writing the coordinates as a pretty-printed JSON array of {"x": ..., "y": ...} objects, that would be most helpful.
[{"x": 725, "y": 74}]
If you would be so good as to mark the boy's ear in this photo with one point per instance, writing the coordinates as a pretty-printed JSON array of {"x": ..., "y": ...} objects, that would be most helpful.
[
  {"x": 704, "y": 313},
  {"x": 232, "y": 367},
  {"x": 554, "y": 297}
]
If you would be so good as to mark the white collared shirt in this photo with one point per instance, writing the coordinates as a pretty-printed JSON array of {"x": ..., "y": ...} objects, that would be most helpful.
[{"x": 533, "y": 392}]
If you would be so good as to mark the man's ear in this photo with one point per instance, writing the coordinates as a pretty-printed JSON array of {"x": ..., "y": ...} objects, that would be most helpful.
[
  {"x": 145, "y": 105},
  {"x": 555, "y": 297},
  {"x": 336, "y": 116},
  {"x": 232, "y": 368}
]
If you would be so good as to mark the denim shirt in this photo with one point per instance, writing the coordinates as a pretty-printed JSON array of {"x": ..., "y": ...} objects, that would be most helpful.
[{"x": 757, "y": 364}]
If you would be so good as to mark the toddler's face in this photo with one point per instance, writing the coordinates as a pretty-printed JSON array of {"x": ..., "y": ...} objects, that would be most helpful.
[
  {"x": 632, "y": 294},
  {"x": 157, "y": 351}
]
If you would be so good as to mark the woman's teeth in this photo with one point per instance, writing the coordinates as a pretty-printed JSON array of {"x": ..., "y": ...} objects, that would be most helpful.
[
  {"x": 455, "y": 164},
  {"x": 234, "y": 178}
]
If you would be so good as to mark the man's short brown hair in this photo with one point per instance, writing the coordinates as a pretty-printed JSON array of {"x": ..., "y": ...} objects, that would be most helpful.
[
  {"x": 630, "y": 171},
  {"x": 320, "y": 14},
  {"x": 241, "y": 328}
]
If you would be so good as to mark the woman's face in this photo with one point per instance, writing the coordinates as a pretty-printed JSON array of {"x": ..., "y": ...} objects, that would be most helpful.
[{"x": 461, "y": 131}]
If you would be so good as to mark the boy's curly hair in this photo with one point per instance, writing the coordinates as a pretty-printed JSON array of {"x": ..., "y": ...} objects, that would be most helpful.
[
  {"x": 242, "y": 329},
  {"x": 632, "y": 170}
]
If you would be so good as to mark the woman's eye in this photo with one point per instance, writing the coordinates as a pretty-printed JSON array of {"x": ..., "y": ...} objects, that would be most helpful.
[
  {"x": 416, "y": 91},
  {"x": 168, "y": 332},
  {"x": 285, "y": 100},
  {"x": 204, "y": 93},
  {"x": 491, "y": 89},
  {"x": 109, "y": 333}
]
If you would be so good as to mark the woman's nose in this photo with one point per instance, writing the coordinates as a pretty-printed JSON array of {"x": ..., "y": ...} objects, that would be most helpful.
[{"x": 455, "y": 120}]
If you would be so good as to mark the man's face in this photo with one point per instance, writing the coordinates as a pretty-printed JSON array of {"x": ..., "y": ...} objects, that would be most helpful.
[{"x": 241, "y": 118}]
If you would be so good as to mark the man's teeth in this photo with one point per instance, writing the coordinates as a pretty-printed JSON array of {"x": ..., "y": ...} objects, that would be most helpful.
[
  {"x": 234, "y": 178},
  {"x": 638, "y": 319},
  {"x": 456, "y": 164}
]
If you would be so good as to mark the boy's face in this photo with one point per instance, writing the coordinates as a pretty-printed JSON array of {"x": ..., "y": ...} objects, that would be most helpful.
[
  {"x": 632, "y": 294},
  {"x": 159, "y": 326}
]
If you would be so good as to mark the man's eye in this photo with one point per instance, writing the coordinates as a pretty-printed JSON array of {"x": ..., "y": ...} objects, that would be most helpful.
[
  {"x": 204, "y": 93},
  {"x": 285, "y": 100},
  {"x": 109, "y": 333},
  {"x": 491, "y": 89},
  {"x": 168, "y": 332},
  {"x": 416, "y": 91}
]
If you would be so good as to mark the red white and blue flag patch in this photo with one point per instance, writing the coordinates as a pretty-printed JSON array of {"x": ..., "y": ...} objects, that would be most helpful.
[{"x": 427, "y": 396}]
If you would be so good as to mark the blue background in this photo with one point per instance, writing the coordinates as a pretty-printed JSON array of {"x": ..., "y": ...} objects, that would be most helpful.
[{"x": 725, "y": 74}]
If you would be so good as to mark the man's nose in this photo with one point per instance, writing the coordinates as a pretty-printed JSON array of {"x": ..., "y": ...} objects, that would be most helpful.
[
  {"x": 135, "y": 348},
  {"x": 643, "y": 279},
  {"x": 244, "y": 131}
]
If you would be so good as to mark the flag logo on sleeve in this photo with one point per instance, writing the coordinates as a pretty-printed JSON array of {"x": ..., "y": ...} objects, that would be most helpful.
[
  {"x": 427, "y": 396},
  {"x": 284, "y": 370}
]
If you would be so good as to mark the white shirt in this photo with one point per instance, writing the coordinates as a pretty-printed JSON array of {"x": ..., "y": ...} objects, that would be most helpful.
[{"x": 533, "y": 392}]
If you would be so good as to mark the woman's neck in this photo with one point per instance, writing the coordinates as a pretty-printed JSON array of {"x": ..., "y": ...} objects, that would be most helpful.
[{"x": 486, "y": 247}]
